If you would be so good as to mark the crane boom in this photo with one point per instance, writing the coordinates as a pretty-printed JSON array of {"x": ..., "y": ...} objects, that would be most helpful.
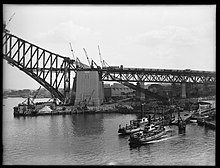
[
  {"x": 93, "y": 62},
  {"x": 105, "y": 63},
  {"x": 72, "y": 51},
  {"x": 86, "y": 55},
  {"x": 100, "y": 57},
  {"x": 78, "y": 63},
  {"x": 10, "y": 19},
  {"x": 36, "y": 93}
]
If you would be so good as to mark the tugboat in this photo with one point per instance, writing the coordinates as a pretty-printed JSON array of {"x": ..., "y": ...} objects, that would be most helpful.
[
  {"x": 145, "y": 136},
  {"x": 135, "y": 125},
  {"x": 156, "y": 130}
]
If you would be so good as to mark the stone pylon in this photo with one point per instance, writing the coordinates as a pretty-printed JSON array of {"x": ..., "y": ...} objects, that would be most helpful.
[{"x": 89, "y": 88}]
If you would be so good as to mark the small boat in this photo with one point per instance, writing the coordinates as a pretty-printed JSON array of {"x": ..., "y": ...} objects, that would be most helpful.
[
  {"x": 143, "y": 136},
  {"x": 135, "y": 125}
]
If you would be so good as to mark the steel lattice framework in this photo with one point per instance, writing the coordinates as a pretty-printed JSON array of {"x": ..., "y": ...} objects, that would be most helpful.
[
  {"x": 51, "y": 70},
  {"x": 47, "y": 68},
  {"x": 157, "y": 75}
]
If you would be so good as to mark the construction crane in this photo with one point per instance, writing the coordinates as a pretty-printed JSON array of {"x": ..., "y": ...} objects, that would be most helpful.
[
  {"x": 9, "y": 20},
  {"x": 79, "y": 64},
  {"x": 32, "y": 101},
  {"x": 100, "y": 57},
  {"x": 93, "y": 62},
  {"x": 103, "y": 62},
  {"x": 36, "y": 93},
  {"x": 87, "y": 56},
  {"x": 72, "y": 51}
]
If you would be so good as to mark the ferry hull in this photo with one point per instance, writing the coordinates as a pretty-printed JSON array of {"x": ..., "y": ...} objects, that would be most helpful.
[
  {"x": 124, "y": 131},
  {"x": 145, "y": 140}
]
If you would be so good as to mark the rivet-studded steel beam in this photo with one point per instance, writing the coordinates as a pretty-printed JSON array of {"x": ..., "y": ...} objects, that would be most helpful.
[
  {"x": 47, "y": 68},
  {"x": 156, "y": 75},
  {"x": 50, "y": 69}
]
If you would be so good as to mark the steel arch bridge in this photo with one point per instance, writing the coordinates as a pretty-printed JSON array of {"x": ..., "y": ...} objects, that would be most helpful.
[
  {"x": 50, "y": 69},
  {"x": 47, "y": 68}
]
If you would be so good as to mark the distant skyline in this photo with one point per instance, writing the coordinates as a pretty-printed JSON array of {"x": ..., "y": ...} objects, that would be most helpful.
[{"x": 143, "y": 36}]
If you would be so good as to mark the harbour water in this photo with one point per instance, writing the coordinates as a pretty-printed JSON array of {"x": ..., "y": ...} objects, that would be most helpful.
[{"x": 92, "y": 139}]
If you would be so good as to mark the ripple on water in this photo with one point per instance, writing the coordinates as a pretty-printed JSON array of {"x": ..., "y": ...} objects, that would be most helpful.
[{"x": 93, "y": 140}]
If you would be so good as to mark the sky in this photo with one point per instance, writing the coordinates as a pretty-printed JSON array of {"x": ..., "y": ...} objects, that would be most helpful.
[{"x": 136, "y": 36}]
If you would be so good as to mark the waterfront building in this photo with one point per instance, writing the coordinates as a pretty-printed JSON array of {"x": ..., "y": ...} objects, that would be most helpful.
[{"x": 117, "y": 90}]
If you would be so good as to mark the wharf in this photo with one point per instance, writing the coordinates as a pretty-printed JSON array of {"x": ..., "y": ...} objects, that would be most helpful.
[
  {"x": 63, "y": 110},
  {"x": 46, "y": 113},
  {"x": 74, "y": 112}
]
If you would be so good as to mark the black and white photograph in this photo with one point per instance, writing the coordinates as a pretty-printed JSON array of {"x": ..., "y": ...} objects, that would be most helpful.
[{"x": 109, "y": 84}]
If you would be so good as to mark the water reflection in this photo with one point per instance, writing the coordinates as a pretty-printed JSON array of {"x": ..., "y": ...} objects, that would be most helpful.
[
  {"x": 123, "y": 140},
  {"x": 134, "y": 147},
  {"x": 87, "y": 124},
  {"x": 53, "y": 126},
  {"x": 122, "y": 136},
  {"x": 66, "y": 130},
  {"x": 92, "y": 139}
]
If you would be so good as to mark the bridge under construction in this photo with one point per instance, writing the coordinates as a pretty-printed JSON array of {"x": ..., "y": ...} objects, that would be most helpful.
[{"x": 85, "y": 82}]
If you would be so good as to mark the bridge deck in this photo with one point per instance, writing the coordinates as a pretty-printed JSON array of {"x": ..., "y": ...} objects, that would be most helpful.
[{"x": 50, "y": 69}]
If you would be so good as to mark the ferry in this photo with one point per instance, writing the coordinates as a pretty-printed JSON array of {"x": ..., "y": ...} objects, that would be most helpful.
[
  {"x": 135, "y": 125},
  {"x": 145, "y": 136}
]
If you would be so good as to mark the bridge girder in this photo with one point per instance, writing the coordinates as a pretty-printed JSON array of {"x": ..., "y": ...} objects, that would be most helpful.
[
  {"x": 158, "y": 75},
  {"x": 50, "y": 69},
  {"x": 47, "y": 68}
]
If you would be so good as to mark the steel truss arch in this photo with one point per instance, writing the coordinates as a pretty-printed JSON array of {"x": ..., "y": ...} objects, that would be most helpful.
[{"x": 47, "y": 68}]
